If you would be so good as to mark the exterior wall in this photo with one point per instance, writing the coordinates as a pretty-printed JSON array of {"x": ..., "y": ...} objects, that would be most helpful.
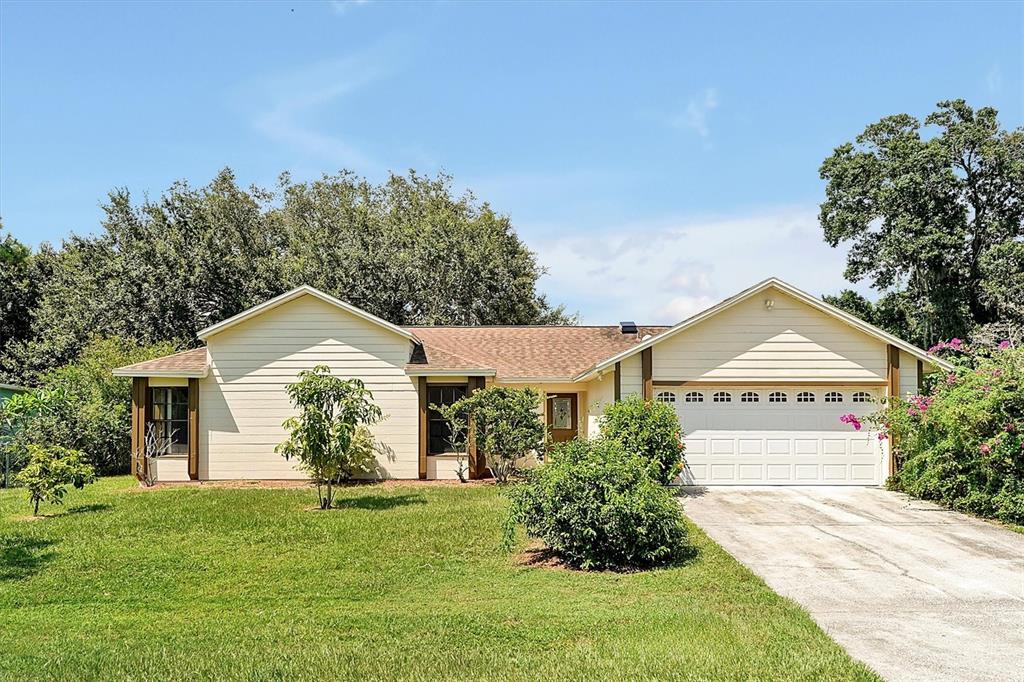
[
  {"x": 600, "y": 394},
  {"x": 632, "y": 376},
  {"x": 908, "y": 374},
  {"x": 749, "y": 342},
  {"x": 242, "y": 402}
]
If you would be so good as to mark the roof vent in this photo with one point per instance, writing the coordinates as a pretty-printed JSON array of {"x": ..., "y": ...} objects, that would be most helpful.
[{"x": 628, "y": 327}]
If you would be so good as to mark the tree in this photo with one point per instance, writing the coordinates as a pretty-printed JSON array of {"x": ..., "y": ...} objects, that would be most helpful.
[
  {"x": 49, "y": 472},
  {"x": 18, "y": 293},
  {"x": 507, "y": 426},
  {"x": 649, "y": 430},
  {"x": 458, "y": 429},
  {"x": 329, "y": 436},
  {"x": 923, "y": 212}
]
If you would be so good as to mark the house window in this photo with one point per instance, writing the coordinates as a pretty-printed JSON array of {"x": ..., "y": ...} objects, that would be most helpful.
[
  {"x": 862, "y": 397},
  {"x": 749, "y": 397},
  {"x": 777, "y": 397},
  {"x": 439, "y": 433},
  {"x": 666, "y": 397},
  {"x": 694, "y": 397},
  {"x": 168, "y": 414},
  {"x": 805, "y": 397},
  {"x": 833, "y": 397},
  {"x": 722, "y": 397}
]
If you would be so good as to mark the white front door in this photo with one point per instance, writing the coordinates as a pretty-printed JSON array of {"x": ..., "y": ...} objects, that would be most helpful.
[{"x": 777, "y": 436}]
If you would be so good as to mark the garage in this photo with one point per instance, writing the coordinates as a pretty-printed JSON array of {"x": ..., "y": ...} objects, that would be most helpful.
[{"x": 757, "y": 435}]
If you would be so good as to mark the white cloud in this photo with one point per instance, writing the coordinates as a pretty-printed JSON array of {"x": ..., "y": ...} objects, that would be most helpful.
[
  {"x": 662, "y": 271},
  {"x": 698, "y": 109},
  {"x": 343, "y": 6}
]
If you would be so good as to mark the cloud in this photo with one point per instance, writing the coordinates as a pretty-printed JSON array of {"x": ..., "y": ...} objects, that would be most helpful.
[
  {"x": 695, "y": 116},
  {"x": 343, "y": 6},
  {"x": 662, "y": 271}
]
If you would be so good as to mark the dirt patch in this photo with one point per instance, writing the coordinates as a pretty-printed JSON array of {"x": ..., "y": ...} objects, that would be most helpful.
[{"x": 539, "y": 556}]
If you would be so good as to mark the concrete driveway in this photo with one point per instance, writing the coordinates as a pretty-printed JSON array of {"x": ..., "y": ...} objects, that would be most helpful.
[{"x": 914, "y": 591}]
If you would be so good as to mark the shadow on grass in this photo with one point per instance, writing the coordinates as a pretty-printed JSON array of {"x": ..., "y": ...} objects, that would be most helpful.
[
  {"x": 86, "y": 508},
  {"x": 687, "y": 491},
  {"x": 379, "y": 502},
  {"x": 540, "y": 556},
  {"x": 22, "y": 557}
]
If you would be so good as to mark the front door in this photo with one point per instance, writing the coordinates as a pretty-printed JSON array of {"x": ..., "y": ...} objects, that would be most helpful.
[{"x": 563, "y": 416}]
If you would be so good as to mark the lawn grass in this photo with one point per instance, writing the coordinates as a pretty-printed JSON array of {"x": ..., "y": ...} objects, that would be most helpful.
[{"x": 402, "y": 582}]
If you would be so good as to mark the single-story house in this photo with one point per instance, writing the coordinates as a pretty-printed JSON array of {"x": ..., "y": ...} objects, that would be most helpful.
[{"x": 759, "y": 382}]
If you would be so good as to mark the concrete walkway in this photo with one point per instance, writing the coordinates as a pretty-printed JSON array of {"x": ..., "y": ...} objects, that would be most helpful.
[{"x": 914, "y": 591}]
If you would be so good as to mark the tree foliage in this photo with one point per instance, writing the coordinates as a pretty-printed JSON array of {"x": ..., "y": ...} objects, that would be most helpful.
[
  {"x": 408, "y": 250},
  {"x": 928, "y": 213},
  {"x": 49, "y": 472},
  {"x": 650, "y": 430},
  {"x": 329, "y": 435},
  {"x": 18, "y": 292},
  {"x": 507, "y": 426}
]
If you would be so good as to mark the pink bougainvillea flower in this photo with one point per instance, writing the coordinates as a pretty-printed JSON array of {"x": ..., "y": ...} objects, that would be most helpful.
[
  {"x": 951, "y": 378},
  {"x": 986, "y": 388},
  {"x": 1004, "y": 344},
  {"x": 882, "y": 436},
  {"x": 955, "y": 343},
  {"x": 852, "y": 420},
  {"x": 985, "y": 448}
]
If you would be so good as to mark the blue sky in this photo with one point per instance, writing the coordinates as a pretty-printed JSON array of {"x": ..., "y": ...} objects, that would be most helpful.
[{"x": 657, "y": 157}]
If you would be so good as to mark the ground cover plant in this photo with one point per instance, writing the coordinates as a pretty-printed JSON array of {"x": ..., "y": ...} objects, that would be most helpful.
[{"x": 400, "y": 582}]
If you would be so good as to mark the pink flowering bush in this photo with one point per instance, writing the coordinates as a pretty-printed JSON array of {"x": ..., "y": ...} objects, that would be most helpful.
[{"x": 961, "y": 442}]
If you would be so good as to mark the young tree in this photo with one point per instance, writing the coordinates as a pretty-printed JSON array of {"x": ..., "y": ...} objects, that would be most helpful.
[
  {"x": 458, "y": 428},
  {"x": 922, "y": 212},
  {"x": 329, "y": 436},
  {"x": 507, "y": 426},
  {"x": 49, "y": 472}
]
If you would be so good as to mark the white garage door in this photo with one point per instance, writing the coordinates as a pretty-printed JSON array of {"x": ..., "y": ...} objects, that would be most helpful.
[{"x": 777, "y": 436}]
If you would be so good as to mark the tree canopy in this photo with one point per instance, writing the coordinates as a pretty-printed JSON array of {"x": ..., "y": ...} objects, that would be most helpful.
[
  {"x": 409, "y": 250},
  {"x": 934, "y": 215}
]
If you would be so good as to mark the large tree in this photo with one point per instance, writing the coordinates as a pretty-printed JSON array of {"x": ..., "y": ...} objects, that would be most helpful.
[
  {"x": 926, "y": 209},
  {"x": 409, "y": 250},
  {"x": 18, "y": 292}
]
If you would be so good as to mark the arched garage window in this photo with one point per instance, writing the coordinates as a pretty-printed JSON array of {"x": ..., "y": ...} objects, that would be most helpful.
[
  {"x": 749, "y": 397},
  {"x": 862, "y": 397},
  {"x": 694, "y": 397},
  {"x": 722, "y": 397},
  {"x": 833, "y": 397},
  {"x": 805, "y": 397},
  {"x": 777, "y": 397},
  {"x": 666, "y": 397}
]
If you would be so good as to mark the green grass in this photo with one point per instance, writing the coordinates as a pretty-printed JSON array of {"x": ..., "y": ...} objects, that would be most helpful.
[{"x": 402, "y": 582}]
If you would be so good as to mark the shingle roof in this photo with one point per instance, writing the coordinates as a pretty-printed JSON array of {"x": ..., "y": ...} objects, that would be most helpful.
[
  {"x": 523, "y": 352},
  {"x": 187, "y": 362}
]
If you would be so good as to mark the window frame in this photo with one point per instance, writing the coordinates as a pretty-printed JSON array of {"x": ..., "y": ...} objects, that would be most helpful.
[
  {"x": 862, "y": 397},
  {"x": 721, "y": 397},
  {"x": 693, "y": 397},
  {"x": 806, "y": 397},
  {"x": 778, "y": 397},
  {"x": 750, "y": 397},
  {"x": 434, "y": 417},
  {"x": 833, "y": 397},
  {"x": 174, "y": 429},
  {"x": 667, "y": 397}
]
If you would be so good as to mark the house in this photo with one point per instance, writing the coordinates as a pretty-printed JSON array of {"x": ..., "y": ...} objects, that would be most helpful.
[{"x": 759, "y": 382}]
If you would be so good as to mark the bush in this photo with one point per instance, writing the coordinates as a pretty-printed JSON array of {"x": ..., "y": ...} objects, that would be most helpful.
[
  {"x": 597, "y": 507},
  {"x": 49, "y": 472},
  {"x": 961, "y": 442},
  {"x": 650, "y": 430},
  {"x": 506, "y": 426}
]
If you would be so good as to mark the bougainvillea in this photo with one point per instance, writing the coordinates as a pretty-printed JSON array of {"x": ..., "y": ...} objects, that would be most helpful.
[{"x": 961, "y": 441}]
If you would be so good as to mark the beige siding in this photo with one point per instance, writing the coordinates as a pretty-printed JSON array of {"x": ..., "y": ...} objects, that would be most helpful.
[
  {"x": 600, "y": 394},
  {"x": 749, "y": 342},
  {"x": 243, "y": 400},
  {"x": 908, "y": 374},
  {"x": 169, "y": 468},
  {"x": 632, "y": 376}
]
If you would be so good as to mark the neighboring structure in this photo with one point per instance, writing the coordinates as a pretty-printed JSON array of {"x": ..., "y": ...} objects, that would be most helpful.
[
  {"x": 759, "y": 382},
  {"x": 7, "y": 390}
]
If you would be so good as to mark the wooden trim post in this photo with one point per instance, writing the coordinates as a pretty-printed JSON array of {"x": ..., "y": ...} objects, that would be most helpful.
[
  {"x": 423, "y": 428},
  {"x": 140, "y": 400},
  {"x": 920, "y": 376},
  {"x": 893, "y": 389},
  {"x": 193, "y": 429},
  {"x": 618, "y": 381},
  {"x": 647, "y": 372},
  {"x": 476, "y": 463}
]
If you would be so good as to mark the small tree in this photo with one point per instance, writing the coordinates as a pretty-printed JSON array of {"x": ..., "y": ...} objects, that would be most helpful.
[
  {"x": 49, "y": 472},
  {"x": 329, "y": 436},
  {"x": 507, "y": 426},
  {"x": 649, "y": 430},
  {"x": 458, "y": 427}
]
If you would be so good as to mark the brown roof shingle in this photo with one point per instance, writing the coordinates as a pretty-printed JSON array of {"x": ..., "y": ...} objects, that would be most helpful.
[
  {"x": 524, "y": 352},
  {"x": 190, "y": 361}
]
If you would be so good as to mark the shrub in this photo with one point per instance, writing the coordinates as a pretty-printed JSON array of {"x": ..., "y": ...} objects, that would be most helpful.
[
  {"x": 961, "y": 442},
  {"x": 597, "y": 507},
  {"x": 49, "y": 472},
  {"x": 506, "y": 424},
  {"x": 650, "y": 430},
  {"x": 329, "y": 436}
]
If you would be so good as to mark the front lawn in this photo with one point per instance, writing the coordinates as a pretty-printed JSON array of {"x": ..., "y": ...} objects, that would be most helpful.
[{"x": 402, "y": 582}]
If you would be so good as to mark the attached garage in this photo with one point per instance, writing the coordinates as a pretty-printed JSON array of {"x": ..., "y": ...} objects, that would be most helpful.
[{"x": 756, "y": 435}]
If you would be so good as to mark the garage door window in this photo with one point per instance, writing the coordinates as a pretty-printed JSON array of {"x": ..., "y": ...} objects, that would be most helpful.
[
  {"x": 722, "y": 397},
  {"x": 776, "y": 397},
  {"x": 833, "y": 397},
  {"x": 694, "y": 397},
  {"x": 666, "y": 397},
  {"x": 861, "y": 397},
  {"x": 805, "y": 397},
  {"x": 749, "y": 397}
]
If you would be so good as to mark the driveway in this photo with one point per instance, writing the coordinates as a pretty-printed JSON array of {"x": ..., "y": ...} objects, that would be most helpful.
[{"x": 912, "y": 590}]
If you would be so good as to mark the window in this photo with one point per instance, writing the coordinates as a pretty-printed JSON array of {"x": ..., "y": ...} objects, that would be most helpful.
[
  {"x": 833, "y": 397},
  {"x": 169, "y": 417},
  {"x": 862, "y": 397},
  {"x": 561, "y": 413},
  {"x": 805, "y": 397},
  {"x": 439, "y": 434},
  {"x": 776, "y": 397},
  {"x": 722, "y": 397},
  {"x": 694, "y": 397},
  {"x": 666, "y": 397},
  {"x": 749, "y": 397}
]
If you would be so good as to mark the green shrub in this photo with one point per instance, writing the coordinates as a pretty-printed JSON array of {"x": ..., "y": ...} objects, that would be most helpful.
[
  {"x": 961, "y": 443},
  {"x": 506, "y": 426},
  {"x": 49, "y": 472},
  {"x": 649, "y": 430},
  {"x": 597, "y": 507}
]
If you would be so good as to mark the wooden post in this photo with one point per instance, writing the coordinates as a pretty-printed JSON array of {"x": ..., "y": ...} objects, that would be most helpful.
[
  {"x": 140, "y": 399},
  {"x": 893, "y": 389},
  {"x": 647, "y": 371},
  {"x": 476, "y": 463},
  {"x": 618, "y": 381},
  {"x": 423, "y": 428},
  {"x": 193, "y": 429}
]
